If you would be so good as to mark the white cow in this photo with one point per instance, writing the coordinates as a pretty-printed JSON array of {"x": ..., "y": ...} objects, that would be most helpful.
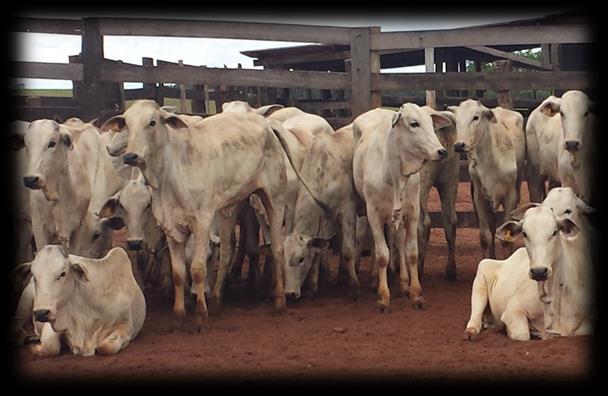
[
  {"x": 327, "y": 169},
  {"x": 495, "y": 144},
  {"x": 390, "y": 149},
  {"x": 238, "y": 106},
  {"x": 93, "y": 305},
  {"x": 195, "y": 171}
]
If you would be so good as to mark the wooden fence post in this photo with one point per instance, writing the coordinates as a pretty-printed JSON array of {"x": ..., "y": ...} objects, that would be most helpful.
[
  {"x": 149, "y": 88},
  {"x": 76, "y": 85},
  {"x": 361, "y": 94},
  {"x": 92, "y": 59},
  {"x": 182, "y": 92},
  {"x": 429, "y": 63},
  {"x": 503, "y": 97},
  {"x": 375, "y": 68}
]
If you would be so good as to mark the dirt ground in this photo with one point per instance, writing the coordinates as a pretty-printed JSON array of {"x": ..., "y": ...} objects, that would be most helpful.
[{"x": 331, "y": 338}]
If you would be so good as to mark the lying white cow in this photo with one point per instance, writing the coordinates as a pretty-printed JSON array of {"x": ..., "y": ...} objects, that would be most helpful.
[
  {"x": 495, "y": 144},
  {"x": 390, "y": 148},
  {"x": 195, "y": 171},
  {"x": 93, "y": 305}
]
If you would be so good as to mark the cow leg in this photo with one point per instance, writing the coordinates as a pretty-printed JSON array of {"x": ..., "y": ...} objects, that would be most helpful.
[
  {"x": 348, "y": 225},
  {"x": 447, "y": 194},
  {"x": 424, "y": 233},
  {"x": 117, "y": 340},
  {"x": 509, "y": 205},
  {"x": 23, "y": 315},
  {"x": 381, "y": 257},
  {"x": 411, "y": 255},
  {"x": 479, "y": 299},
  {"x": 178, "y": 267},
  {"x": 50, "y": 342},
  {"x": 239, "y": 258},
  {"x": 227, "y": 220},
  {"x": 484, "y": 216},
  {"x": 516, "y": 321}
]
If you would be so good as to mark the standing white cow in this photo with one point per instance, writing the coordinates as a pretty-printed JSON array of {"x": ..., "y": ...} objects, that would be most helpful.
[
  {"x": 93, "y": 305},
  {"x": 195, "y": 171},
  {"x": 390, "y": 149},
  {"x": 494, "y": 141}
]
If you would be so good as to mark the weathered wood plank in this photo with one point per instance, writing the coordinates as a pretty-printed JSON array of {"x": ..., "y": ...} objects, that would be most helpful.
[
  {"x": 485, "y": 80},
  {"x": 93, "y": 95},
  {"x": 429, "y": 64},
  {"x": 224, "y": 29},
  {"x": 396, "y": 101},
  {"x": 361, "y": 100},
  {"x": 322, "y": 105},
  {"x": 503, "y": 35},
  {"x": 516, "y": 59},
  {"x": 31, "y": 113},
  {"x": 40, "y": 25},
  {"x": 219, "y": 76},
  {"x": 51, "y": 71}
]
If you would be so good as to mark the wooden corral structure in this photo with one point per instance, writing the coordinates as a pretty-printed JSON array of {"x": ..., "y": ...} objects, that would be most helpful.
[{"x": 339, "y": 78}]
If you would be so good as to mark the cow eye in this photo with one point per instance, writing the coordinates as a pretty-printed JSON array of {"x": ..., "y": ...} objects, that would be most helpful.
[
  {"x": 301, "y": 261},
  {"x": 149, "y": 204},
  {"x": 524, "y": 234},
  {"x": 51, "y": 144},
  {"x": 152, "y": 123},
  {"x": 95, "y": 236},
  {"x": 414, "y": 124},
  {"x": 61, "y": 275},
  {"x": 554, "y": 233},
  {"x": 475, "y": 118},
  {"x": 567, "y": 211}
]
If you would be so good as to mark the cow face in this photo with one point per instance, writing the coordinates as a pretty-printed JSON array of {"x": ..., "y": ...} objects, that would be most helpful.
[
  {"x": 300, "y": 252},
  {"x": 413, "y": 132},
  {"x": 472, "y": 119},
  {"x": 47, "y": 144},
  {"x": 93, "y": 237},
  {"x": 566, "y": 204},
  {"x": 575, "y": 111},
  {"x": 541, "y": 231},
  {"x": 132, "y": 205},
  {"x": 55, "y": 275}
]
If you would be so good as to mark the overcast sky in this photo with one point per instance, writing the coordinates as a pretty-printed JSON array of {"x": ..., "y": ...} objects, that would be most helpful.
[{"x": 37, "y": 47}]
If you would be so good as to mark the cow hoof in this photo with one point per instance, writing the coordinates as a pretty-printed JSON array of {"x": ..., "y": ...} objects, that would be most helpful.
[
  {"x": 353, "y": 296},
  {"x": 178, "y": 321},
  {"x": 418, "y": 303},
  {"x": 470, "y": 334},
  {"x": 382, "y": 308}
]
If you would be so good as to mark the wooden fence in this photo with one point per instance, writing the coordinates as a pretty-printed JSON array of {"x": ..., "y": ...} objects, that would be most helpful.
[{"x": 98, "y": 81}]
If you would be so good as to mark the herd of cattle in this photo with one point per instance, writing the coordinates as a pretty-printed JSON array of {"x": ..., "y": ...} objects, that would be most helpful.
[{"x": 181, "y": 184}]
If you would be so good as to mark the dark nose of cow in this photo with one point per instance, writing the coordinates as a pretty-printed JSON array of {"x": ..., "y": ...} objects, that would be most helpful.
[
  {"x": 572, "y": 145},
  {"x": 31, "y": 181},
  {"x": 134, "y": 244},
  {"x": 42, "y": 315},
  {"x": 291, "y": 296},
  {"x": 459, "y": 147},
  {"x": 442, "y": 153},
  {"x": 130, "y": 158},
  {"x": 539, "y": 273}
]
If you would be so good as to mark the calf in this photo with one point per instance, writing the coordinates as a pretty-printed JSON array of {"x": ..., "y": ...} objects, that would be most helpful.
[{"x": 390, "y": 149}]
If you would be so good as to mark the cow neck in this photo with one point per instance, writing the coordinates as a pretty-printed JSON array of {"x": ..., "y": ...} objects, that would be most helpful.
[
  {"x": 569, "y": 288},
  {"x": 308, "y": 215}
]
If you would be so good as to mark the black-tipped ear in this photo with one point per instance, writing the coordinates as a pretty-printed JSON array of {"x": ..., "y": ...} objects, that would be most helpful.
[
  {"x": 509, "y": 231},
  {"x": 109, "y": 208},
  {"x": 568, "y": 228},
  {"x": 489, "y": 115},
  {"x": 66, "y": 139},
  {"x": 396, "y": 118},
  {"x": 268, "y": 109},
  {"x": 115, "y": 223},
  {"x": 518, "y": 214},
  {"x": 174, "y": 122},
  {"x": 114, "y": 124},
  {"x": 318, "y": 243},
  {"x": 57, "y": 119},
  {"x": 80, "y": 271}
]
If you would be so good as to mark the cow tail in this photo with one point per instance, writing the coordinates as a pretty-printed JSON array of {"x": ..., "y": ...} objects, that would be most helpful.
[{"x": 321, "y": 204}]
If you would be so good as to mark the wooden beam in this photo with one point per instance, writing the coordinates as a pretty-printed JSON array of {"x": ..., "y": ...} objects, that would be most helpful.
[
  {"x": 224, "y": 29},
  {"x": 485, "y": 80},
  {"x": 51, "y": 71},
  {"x": 229, "y": 77},
  {"x": 504, "y": 95},
  {"x": 518, "y": 60},
  {"x": 429, "y": 64},
  {"x": 545, "y": 55},
  {"x": 502, "y": 35},
  {"x": 92, "y": 60},
  {"x": 39, "y": 25},
  {"x": 361, "y": 100}
]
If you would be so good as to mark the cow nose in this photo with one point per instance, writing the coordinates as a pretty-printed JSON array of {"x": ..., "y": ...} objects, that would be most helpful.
[
  {"x": 442, "y": 153},
  {"x": 459, "y": 147},
  {"x": 134, "y": 244},
  {"x": 292, "y": 296},
  {"x": 539, "y": 273},
  {"x": 31, "y": 181},
  {"x": 42, "y": 315},
  {"x": 572, "y": 145},
  {"x": 130, "y": 158}
]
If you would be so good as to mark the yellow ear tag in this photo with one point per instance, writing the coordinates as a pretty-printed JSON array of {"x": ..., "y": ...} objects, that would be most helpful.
[{"x": 508, "y": 236}]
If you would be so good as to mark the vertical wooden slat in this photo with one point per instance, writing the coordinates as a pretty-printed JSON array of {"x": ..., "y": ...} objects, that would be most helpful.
[
  {"x": 503, "y": 97},
  {"x": 375, "y": 68},
  {"x": 481, "y": 92},
  {"x": 360, "y": 96},
  {"x": 149, "y": 88},
  {"x": 182, "y": 92},
  {"x": 92, "y": 59},
  {"x": 545, "y": 55},
  {"x": 429, "y": 63}
]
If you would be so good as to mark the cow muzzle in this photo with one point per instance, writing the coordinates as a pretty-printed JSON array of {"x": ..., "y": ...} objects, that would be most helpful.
[
  {"x": 539, "y": 274},
  {"x": 572, "y": 145},
  {"x": 460, "y": 147},
  {"x": 33, "y": 182},
  {"x": 134, "y": 244},
  {"x": 292, "y": 296},
  {"x": 42, "y": 315},
  {"x": 132, "y": 159},
  {"x": 441, "y": 154}
]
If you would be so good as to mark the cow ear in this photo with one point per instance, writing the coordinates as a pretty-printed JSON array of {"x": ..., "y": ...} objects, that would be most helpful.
[
  {"x": 114, "y": 124},
  {"x": 66, "y": 139},
  {"x": 567, "y": 228},
  {"x": 57, "y": 119},
  {"x": 583, "y": 207},
  {"x": 115, "y": 223},
  {"x": 174, "y": 122},
  {"x": 518, "y": 213},
  {"x": 268, "y": 109},
  {"x": 396, "y": 118},
  {"x": 509, "y": 231},
  {"x": 79, "y": 271},
  {"x": 489, "y": 115},
  {"x": 593, "y": 108},
  {"x": 93, "y": 121},
  {"x": 550, "y": 108},
  {"x": 109, "y": 208},
  {"x": 317, "y": 243},
  {"x": 22, "y": 270},
  {"x": 440, "y": 121},
  {"x": 452, "y": 108},
  {"x": 16, "y": 141},
  {"x": 224, "y": 106}
]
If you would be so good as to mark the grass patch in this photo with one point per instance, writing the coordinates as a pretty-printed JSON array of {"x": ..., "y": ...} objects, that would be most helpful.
[{"x": 63, "y": 93}]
